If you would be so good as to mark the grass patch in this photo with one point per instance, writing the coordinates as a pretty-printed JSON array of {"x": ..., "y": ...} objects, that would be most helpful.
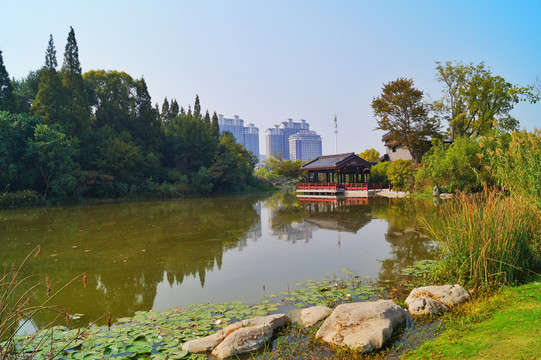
[{"x": 504, "y": 325}]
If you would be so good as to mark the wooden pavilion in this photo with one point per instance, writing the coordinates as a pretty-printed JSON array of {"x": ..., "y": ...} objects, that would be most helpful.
[{"x": 333, "y": 174}]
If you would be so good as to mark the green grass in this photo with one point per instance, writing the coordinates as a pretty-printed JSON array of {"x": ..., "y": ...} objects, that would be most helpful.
[
  {"x": 506, "y": 325},
  {"x": 488, "y": 241}
]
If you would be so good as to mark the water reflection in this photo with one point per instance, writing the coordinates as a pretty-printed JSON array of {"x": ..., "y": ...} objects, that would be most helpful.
[{"x": 158, "y": 255}]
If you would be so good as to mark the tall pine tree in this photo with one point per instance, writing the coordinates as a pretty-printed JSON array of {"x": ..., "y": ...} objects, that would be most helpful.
[
  {"x": 215, "y": 126},
  {"x": 7, "y": 99},
  {"x": 197, "y": 108},
  {"x": 166, "y": 115},
  {"x": 174, "y": 109},
  {"x": 77, "y": 100},
  {"x": 49, "y": 101}
]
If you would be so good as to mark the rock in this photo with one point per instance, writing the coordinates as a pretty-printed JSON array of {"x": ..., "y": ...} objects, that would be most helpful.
[
  {"x": 364, "y": 326},
  {"x": 429, "y": 300},
  {"x": 244, "y": 340},
  {"x": 446, "y": 196},
  {"x": 436, "y": 191},
  {"x": 312, "y": 315},
  {"x": 235, "y": 339}
]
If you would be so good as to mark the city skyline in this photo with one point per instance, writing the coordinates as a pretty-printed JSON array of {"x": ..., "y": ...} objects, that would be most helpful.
[{"x": 271, "y": 61}]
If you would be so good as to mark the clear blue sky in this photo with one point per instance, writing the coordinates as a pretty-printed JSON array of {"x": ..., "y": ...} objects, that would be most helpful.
[{"x": 267, "y": 61}]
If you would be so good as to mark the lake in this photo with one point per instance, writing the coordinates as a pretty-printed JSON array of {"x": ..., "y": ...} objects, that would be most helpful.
[{"x": 164, "y": 254}]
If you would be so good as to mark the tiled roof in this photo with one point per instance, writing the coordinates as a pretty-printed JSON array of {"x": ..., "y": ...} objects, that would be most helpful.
[{"x": 331, "y": 161}]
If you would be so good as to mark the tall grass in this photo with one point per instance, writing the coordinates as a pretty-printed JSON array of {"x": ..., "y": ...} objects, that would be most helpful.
[
  {"x": 16, "y": 309},
  {"x": 488, "y": 240}
]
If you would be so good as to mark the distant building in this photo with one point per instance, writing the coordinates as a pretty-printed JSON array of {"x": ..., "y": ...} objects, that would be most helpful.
[
  {"x": 251, "y": 139},
  {"x": 304, "y": 145},
  {"x": 246, "y": 136},
  {"x": 277, "y": 137}
]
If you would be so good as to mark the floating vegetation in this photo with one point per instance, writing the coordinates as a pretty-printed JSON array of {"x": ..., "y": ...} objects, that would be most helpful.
[
  {"x": 160, "y": 334},
  {"x": 148, "y": 334},
  {"x": 419, "y": 268},
  {"x": 332, "y": 291}
]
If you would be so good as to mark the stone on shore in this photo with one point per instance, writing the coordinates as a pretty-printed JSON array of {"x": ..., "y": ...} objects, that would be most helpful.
[
  {"x": 312, "y": 315},
  {"x": 364, "y": 326},
  {"x": 238, "y": 338},
  {"x": 430, "y": 300}
]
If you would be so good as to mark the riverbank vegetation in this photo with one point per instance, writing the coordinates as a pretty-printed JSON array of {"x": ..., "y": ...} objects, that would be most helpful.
[{"x": 65, "y": 134}]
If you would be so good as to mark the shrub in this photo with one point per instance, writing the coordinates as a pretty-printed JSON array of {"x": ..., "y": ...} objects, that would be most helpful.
[
  {"x": 401, "y": 175},
  {"x": 20, "y": 199},
  {"x": 487, "y": 241},
  {"x": 453, "y": 167},
  {"x": 378, "y": 173}
]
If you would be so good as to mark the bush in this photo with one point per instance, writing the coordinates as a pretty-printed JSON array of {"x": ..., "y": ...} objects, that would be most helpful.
[
  {"x": 401, "y": 175},
  {"x": 454, "y": 167},
  {"x": 378, "y": 173},
  {"x": 20, "y": 199},
  {"x": 487, "y": 241}
]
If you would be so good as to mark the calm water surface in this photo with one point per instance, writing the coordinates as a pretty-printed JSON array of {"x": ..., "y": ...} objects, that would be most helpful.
[{"x": 159, "y": 255}]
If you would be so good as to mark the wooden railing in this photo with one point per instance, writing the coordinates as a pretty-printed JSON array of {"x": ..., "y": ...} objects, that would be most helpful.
[
  {"x": 332, "y": 185},
  {"x": 317, "y": 186},
  {"x": 363, "y": 186}
]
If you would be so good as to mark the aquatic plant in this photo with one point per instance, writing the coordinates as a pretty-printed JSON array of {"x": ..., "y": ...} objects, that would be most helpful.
[{"x": 488, "y": 240}]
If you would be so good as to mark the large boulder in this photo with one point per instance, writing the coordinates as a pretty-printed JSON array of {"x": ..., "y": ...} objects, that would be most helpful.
[
  {"x": 430, "y": 300},
  {"x": 312, "y": 315},
  {"x": 364, "y": 326},
  {"x": 238, "y": 338}
]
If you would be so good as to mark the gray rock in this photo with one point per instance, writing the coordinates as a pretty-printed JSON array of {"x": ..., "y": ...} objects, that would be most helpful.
[
  {"x": 364, "y": 326},
  {"x": 241, "y": 340},
  {"x": 312, "y": 315},
  {"x": 429, "y": 300},
  {"x": 436, "y": 191}
]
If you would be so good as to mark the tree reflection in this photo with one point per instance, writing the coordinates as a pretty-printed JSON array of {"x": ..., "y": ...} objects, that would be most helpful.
[{"x": 125, "y": 249}]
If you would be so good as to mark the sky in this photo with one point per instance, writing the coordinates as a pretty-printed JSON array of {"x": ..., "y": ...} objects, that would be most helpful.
[{"x": 268, "y": 61}]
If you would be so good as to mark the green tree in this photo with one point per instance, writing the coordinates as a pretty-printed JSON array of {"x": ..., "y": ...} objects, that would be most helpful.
[
  {"x": 174, "y": 109},
  {"x": 401, "y": 175},
  {"x": 455, "y": 166},
  {"x": 165, "y": 114},
  {"x": 53, "y": 153},
  {"x": 369, "y": 154},
  {"x": 49, "y": 101},
  {"x": 119, "y": 156},
  {"x": 401, "y": 111},
  {"x": 25, "y": 91},
  {"x": 286, "y": 169},
  {"x": 215, "y": 126},
  {"x": 474, "y": 101},
  {"x": 146, "y": 128},
  {"x": 76, "y": 98},
  {"x": 197, "y": 108},
  {"x": 7, "y": 98},
  {"x": 378, "y": 173}
]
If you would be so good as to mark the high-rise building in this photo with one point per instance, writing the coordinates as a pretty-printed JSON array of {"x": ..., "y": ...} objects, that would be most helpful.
[
  {"x": 251, "y": 139},
  {"x": 278, "y": 137},
  {"x": 304, "y": 145},
  {"x": 246, "y": 136}
]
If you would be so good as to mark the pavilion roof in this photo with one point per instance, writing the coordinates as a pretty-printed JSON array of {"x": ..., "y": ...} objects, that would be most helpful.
[{"x": 337, "y": 161}]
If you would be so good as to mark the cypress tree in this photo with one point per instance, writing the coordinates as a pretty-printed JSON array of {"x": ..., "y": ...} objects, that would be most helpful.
[
  {"x": 207, "y": 118},
  {"x": 174, "y": 109},
  {"x": 7, "y": 99},
  {"x": 165, "y": 116},
  {"x": 77, "y": 101},
  {"x": 215, "y": 126},
  {"x": 49, "y": 101},
  {"x": 197, "y": 108}
]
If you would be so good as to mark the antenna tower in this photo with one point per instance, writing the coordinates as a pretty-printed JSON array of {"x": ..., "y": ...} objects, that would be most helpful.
[{"x": 335, "y": 135}]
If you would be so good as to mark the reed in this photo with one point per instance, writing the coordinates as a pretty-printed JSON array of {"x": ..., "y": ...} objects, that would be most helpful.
[
  {"x": 488, "y": 240},
  {"x": 16, "y": 309}
]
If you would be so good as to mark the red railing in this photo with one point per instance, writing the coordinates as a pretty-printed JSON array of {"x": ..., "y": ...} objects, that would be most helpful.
[
  {"x": 363, "y": 186},
  {"x": 317, "y": 186},
  {"x": 332, "y": 185}
]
